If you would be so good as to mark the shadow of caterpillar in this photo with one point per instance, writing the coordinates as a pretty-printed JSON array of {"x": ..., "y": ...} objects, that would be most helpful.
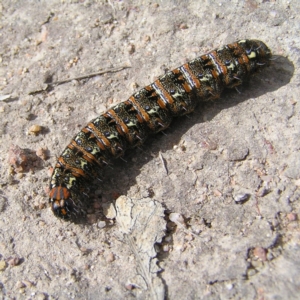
[{"x": 150, "y": 110}]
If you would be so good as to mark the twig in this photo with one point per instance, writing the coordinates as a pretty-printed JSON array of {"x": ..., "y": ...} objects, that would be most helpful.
[
  {"x": 89, "y": 75},
  {"x": 56, "y": 83}
]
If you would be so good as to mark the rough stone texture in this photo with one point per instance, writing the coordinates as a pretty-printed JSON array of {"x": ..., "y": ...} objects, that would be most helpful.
[{"x": 246, "y": 143}]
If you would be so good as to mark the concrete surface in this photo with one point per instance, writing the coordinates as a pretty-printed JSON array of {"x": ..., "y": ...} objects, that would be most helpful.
[{"x": 223, "y": 223}]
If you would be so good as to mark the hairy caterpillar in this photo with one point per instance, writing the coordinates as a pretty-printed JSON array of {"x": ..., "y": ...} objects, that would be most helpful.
[{"x": 150, "y": 110}]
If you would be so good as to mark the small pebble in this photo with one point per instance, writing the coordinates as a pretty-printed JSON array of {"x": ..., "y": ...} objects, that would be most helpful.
[
  {"x": 41, "y": 296},
  {"x": 183, "y": 26},
  {"x": 2, "y": 265},
  {"x": 84, "y": 250},
  {"x": 14, "y": 261},
  {"x": 20, "y": 285},
  {"x": 166, "y": 248},
  {"x": 35, "y": 129},
  {"x": 101, "y": 224},
  {"x": 147, "y": 38},
  {"x": 129, "y": 286},
  {"x": 110, "y": 257},
  {"x": 241, "y": 198},
  {"x": 42, "y": 153},
  {"x": 292, "y": 217},
  {"x": 134, "y": 86},
  {"x": 217, "y": 193},
  {"x": 260, "y": 253},
  {"x": 131, "y": 49}
]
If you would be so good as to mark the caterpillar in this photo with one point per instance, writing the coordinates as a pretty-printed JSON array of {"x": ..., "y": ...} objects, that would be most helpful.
[{"x": 148, "y": 111}]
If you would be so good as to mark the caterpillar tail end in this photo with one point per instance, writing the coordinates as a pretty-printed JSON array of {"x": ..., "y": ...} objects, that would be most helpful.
[{"x": 62, "y": 204}]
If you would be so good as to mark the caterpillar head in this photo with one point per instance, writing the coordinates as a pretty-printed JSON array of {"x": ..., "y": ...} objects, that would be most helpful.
[{"x": 257, "y": 52}]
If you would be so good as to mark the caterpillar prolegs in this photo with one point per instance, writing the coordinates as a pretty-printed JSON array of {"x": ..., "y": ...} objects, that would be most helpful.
[{"x": 150, "y": 110}]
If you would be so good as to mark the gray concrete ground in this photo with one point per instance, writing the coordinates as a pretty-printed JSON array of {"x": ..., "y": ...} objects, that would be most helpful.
[{"x": 223, "y": 223}]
